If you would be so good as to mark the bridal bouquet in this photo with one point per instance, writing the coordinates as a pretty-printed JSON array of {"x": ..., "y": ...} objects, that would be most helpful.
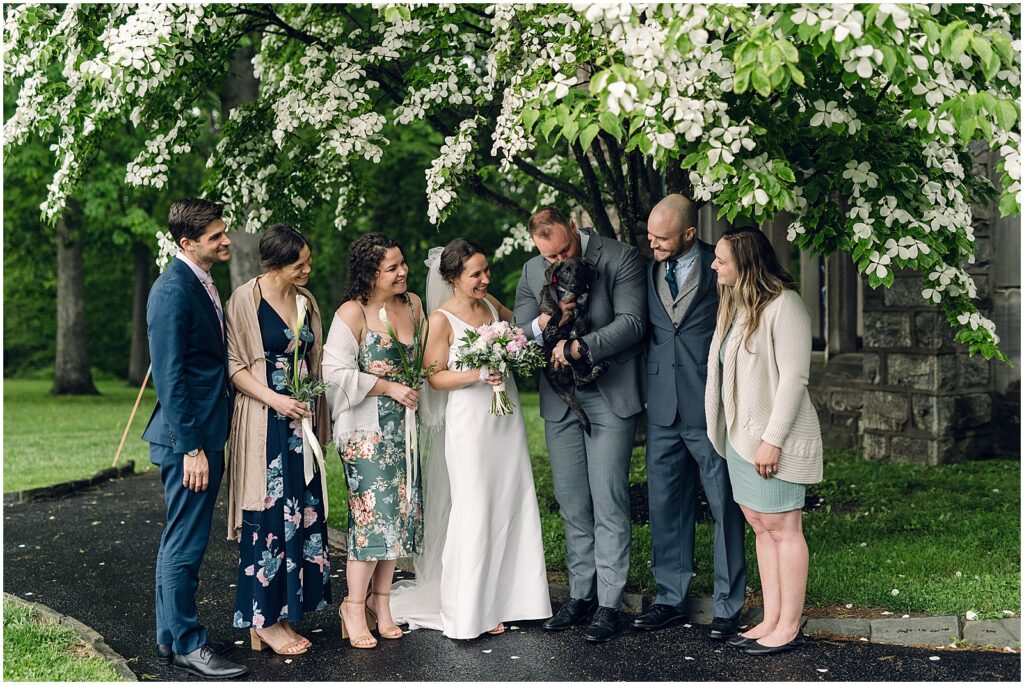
[
  {"x": 503, "y": 348},
  {"x": 411, "y": 374}
]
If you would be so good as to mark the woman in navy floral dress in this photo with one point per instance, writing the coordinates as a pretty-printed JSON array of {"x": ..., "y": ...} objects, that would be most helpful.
[{"x": 284, "y": 569}]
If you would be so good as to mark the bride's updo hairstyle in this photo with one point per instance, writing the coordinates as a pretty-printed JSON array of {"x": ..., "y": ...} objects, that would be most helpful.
[{"x": 454, "y": 257}]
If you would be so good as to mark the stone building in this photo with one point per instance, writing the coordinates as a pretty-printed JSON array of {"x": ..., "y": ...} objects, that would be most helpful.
[{"x": 887, "y": 377}]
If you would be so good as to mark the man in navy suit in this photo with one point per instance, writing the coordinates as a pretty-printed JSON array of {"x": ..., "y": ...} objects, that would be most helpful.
[
  {"x": 682, "y": 303},
  {"x": 188, "y": 429}
]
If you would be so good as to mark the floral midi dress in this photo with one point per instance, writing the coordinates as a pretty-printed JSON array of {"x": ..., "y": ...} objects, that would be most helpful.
[
  {"x": 384, "y": 520},
  {"x": 284, "y": 568}
]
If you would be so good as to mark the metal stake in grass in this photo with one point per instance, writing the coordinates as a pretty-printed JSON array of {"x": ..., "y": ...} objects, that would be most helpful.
[{"x": 145, "y": 381}]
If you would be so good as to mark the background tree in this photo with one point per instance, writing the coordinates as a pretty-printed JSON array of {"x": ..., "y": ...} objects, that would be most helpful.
[{"x": 854, "y": 119}]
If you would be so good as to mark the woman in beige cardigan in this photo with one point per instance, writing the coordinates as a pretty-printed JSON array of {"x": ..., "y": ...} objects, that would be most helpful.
[
  {"x": 277, "y": 500},
  {"x": 760, "y": 418}
]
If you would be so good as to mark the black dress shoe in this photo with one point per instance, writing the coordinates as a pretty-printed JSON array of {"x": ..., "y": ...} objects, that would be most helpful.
[
  {"x": 604, "y": 626},
  {"x": 204, "y": 663},
  {"x": 164, "y": 653},
  {"x": 757, "y": 649},
  {"x": 724, "y": 628},
  {"x": 740, "y": 641},
  {"x": 659, "y": 616},
  {"x": 573, "y": 612}
]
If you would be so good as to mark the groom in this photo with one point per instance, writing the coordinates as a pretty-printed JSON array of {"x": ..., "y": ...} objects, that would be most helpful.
[
  {"x": 591, "y": 472},
  {"x": 188, "y": 429}
]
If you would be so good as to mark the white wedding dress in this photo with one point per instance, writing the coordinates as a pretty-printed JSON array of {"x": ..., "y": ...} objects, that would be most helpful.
[{"x": 483, "y": 557}]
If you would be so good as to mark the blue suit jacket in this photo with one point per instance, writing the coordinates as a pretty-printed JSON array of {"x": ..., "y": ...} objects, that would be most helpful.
[
  {"x": 189, "y": 356},
  {"x": 677, "y": 357}
]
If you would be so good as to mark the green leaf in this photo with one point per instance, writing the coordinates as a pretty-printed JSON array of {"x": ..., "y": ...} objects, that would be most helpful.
[
  {"x": 691, "y": 159},
  {"x": 785, "y": 173},
  {"x": 644, "y": 142},
  {"x": 746, "y": 54},
  {"x": 983, "y": 49},
  {"x": 772, "y": 59},
  {"x": 985, "y": 126},
  {"x": 610, "y": 124},
  {"x": 1003, "y": 47},
  {"x": 530, "y": 117},
  {"x": 796, "y": 75},
  {"x": 960, "y": 43},
  {"x": 789, "y": 52},
  {"x": 741, "y": 80},
  {"x": 930, "y": 30},
  {"x": 547, "y": 126},
  {"x": 1005, "y": 113},
  {"x": 588, "y": 134},
  {"x": 562, "y": 115},
  {"x": 888, "y": 59},
  {"x": 946, "y": 37},
  {"x": 760, "y": 82},
  {"x": 570, "y": 130},
  {"x": 1008, "y": 205},
  {"x": 966, "y": 126}
]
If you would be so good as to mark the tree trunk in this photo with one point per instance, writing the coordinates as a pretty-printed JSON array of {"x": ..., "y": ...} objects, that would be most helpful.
[
  {"x": 138, "y": 358},
  {"x": 72, "y": 374},
  {"x": 241, "y": 88}
]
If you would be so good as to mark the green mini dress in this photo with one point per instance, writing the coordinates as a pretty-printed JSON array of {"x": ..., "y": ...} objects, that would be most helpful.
[{"x": 765, "y": 496}]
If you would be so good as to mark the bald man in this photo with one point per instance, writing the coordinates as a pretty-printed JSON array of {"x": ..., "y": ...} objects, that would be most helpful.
[{"x": 682, "y": 305}]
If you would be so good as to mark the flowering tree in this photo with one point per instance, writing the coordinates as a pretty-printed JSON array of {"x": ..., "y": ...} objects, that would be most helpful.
[{"x": 853, "y": 119}]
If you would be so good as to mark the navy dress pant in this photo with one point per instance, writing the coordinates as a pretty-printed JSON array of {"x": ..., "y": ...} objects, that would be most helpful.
[{"x": 182, "y": 547}]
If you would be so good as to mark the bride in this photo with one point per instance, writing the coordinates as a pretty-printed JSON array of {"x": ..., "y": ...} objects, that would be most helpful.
[{"x": 483, "y": 559}]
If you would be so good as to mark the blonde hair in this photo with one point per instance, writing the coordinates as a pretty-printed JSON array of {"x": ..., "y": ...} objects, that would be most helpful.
[{"x": 760, "y": 278}]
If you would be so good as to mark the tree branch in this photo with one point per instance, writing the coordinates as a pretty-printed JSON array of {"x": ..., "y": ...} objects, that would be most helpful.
[
  {"x": 497, "y": 199},
  {"x": 617, "y": 190},
  {"x": 553, "y": 181},
  {"x": 595, "y": 204}
]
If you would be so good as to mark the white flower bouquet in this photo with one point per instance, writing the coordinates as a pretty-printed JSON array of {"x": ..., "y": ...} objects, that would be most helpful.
[{"x": 503, "y": 348}]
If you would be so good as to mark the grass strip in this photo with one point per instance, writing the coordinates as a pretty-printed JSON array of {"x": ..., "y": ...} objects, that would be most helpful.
[{"x": 37, "y": 650}]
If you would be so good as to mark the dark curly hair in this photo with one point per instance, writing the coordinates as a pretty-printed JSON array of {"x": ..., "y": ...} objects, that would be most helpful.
[
  {"x": 454, "y": 257},
  {"x": 364, "y": 257}
]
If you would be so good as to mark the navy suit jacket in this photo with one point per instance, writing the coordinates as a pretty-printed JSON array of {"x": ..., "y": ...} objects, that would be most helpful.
[
  {"x": 189, "y": 354},
  {"x": 677, "y": 356}
]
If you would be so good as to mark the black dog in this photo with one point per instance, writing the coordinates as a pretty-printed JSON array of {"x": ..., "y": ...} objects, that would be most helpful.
[{"x": 568, "y": 281}]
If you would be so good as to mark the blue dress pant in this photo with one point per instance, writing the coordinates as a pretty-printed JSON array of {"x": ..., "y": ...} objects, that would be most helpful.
[
  {"x": 675, "y": 455},
  {"x": 182, "y": 547}
]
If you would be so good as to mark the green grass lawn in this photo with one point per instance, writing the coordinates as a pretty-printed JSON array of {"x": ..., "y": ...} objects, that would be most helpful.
[
  {"x": 51, "y": 440},
  {"x": 946, "y": 537},
  {"x": 38, "y": 650}
]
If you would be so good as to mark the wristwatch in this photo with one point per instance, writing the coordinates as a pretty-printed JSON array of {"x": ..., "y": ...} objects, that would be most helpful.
[
  {"x": 582, "y": 348},
  {"x": 193, "y": 453}
]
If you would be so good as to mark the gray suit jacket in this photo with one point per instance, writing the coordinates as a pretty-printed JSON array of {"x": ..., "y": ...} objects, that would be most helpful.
[
  {"x": 681, "y": 331},
  {"x": 618, "y": 304}
]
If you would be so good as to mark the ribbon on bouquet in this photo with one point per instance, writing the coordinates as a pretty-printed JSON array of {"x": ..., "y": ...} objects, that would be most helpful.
[
  {"x": 313, "y": 456},
  {"x": 411, "y": 451},
  {"x": 312, "y": 453}
]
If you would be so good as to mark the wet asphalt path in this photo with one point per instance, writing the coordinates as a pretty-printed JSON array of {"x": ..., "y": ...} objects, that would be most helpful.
[{"x": 91, "y": 556}]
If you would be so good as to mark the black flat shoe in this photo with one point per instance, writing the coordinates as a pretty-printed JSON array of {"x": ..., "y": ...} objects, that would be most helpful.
[
  {"x": 659, "y": 616},
  {"x": 604, "y": 626},
  {"x": 573, "y": 612},
  {"x": 164, "y": 653},
  {"x": 204, "y": 663},
  {"x": 724, "y": 628},
  {"x": 740, "y": 641},
  {"x": 757, "y": 649}
]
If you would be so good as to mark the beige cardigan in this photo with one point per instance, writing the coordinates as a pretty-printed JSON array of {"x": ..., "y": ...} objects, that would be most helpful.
[
  {"x": 246, "y": 458},
  {"x": 763, "y": 388}
]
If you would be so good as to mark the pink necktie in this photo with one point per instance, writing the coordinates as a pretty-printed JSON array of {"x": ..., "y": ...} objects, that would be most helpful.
[{"x": 211, "y": 288}]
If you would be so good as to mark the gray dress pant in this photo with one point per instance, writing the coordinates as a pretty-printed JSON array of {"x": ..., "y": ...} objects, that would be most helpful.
[
  {"x": 591, "y": 478},
  {"x": 675, "y": 454}
]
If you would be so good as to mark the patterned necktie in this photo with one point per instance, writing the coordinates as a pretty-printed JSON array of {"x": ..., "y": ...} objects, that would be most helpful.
[
  {"x": 211, "y": 288},
  {"x": 670, "y": 277}
]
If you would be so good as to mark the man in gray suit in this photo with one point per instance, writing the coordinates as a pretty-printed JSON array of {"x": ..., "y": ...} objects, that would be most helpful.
[
  {"x": 682, "y": 299},
  {"x": 591, "y": 472}
]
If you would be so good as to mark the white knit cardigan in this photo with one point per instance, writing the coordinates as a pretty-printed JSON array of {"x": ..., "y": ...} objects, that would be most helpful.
[{"x": 762, "y": 386}]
